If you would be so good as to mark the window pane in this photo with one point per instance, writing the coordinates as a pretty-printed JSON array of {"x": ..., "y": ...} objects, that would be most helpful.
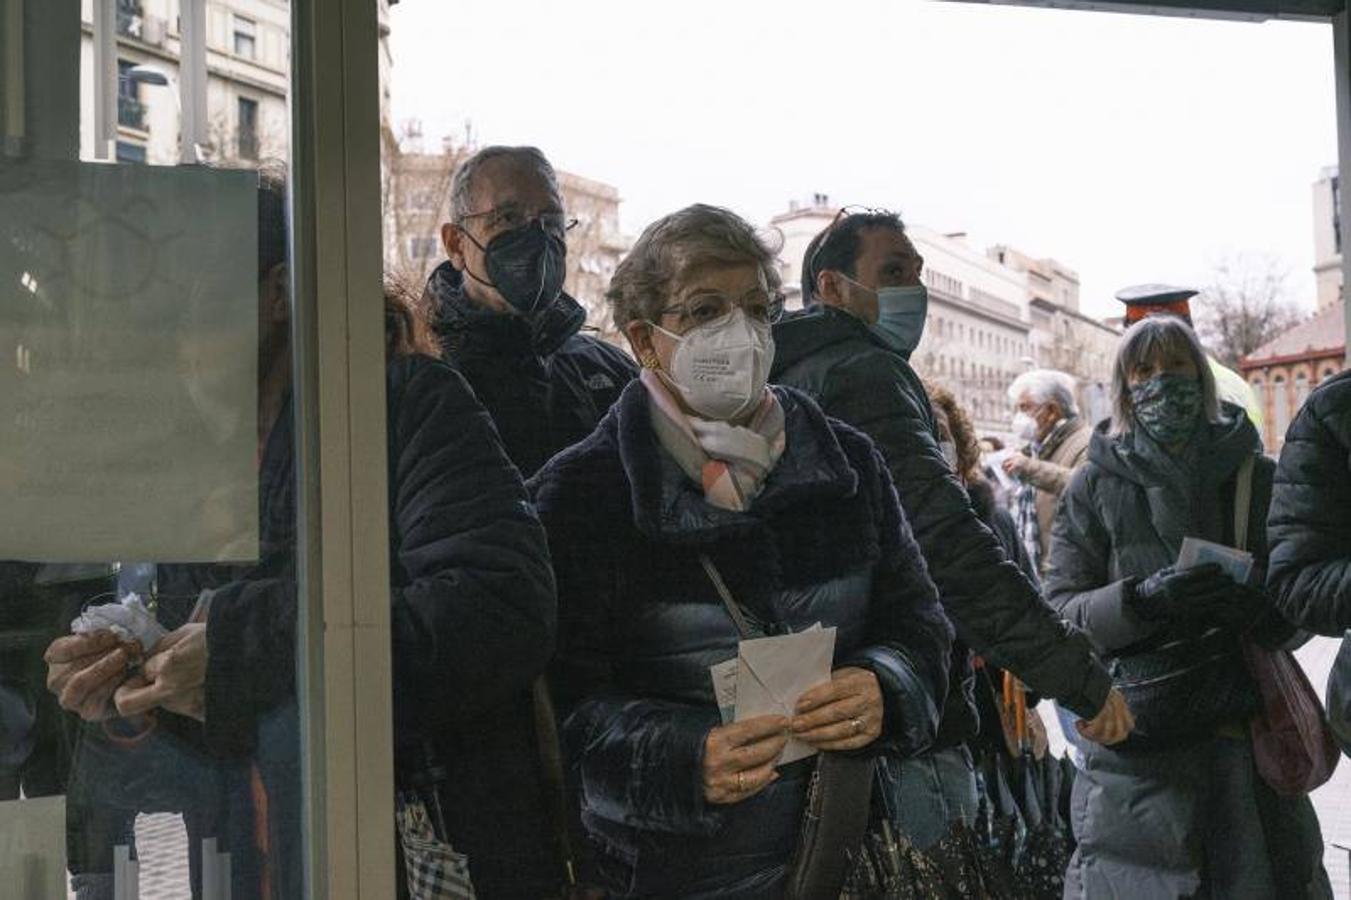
[{"x": 147, "y": 468}]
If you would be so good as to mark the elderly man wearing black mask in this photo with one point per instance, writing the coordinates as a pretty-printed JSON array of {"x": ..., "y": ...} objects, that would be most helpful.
[{"x": 500, "y": 310}]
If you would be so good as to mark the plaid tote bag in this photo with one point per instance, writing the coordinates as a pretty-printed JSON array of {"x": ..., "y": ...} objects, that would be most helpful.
[{"x": 435, "y": 870}]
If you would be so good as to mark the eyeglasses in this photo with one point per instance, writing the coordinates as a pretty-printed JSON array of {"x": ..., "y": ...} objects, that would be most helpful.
[
  {"x": 509, "y": 217},
  {"x": 759, "y": 306}
]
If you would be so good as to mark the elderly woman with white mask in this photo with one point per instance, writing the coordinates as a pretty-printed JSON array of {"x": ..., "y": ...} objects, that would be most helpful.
[{"x": 702, "y": 498}]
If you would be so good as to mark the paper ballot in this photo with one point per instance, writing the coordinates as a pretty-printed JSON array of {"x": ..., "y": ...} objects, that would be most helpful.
[
  {"x": 724, "y": 688},
  {"x": 1237, "y": 564},
  {"x": 773, "y": 672}
]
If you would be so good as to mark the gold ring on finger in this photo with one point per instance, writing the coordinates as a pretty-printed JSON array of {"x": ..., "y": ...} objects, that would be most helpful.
[
  {"x": 740, "y": 782},
  {"x": 858, "y": 726}
]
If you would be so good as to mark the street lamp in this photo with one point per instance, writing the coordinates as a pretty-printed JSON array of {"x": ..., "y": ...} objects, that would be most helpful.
[{"x": 153, "y": 77}]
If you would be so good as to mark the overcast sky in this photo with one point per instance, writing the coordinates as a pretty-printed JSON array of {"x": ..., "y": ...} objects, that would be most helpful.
[{"x": 1133, "y": 148}]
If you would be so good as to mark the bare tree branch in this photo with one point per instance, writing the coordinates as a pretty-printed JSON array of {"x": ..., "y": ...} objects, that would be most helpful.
[{"x": 1246, "y": 305}]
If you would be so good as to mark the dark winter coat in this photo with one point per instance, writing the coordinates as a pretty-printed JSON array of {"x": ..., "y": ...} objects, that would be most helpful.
[
  {"x": 640, "y": 624},
  {"x": 545, "y": 384},
  {"x": 1310, "y": 522},
  {"x": 856, "y": 378},
  {"x": 1143, "y": 818},
  {"x": 472, "y": 618},
  {"x": 1123, "y": 518}
]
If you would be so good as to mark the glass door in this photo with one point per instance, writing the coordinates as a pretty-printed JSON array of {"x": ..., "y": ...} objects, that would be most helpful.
[{"x": 182, "y": 604}]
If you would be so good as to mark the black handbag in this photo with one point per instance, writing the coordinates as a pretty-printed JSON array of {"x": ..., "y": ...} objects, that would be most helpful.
[{"x": 838, "y": 801}]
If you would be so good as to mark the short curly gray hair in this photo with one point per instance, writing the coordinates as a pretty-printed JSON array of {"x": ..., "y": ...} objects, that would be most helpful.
[
  {"x": 462, "y": 183},
  {"x": 1047, "y": 386},
  {"x": 696, "y": 235}
]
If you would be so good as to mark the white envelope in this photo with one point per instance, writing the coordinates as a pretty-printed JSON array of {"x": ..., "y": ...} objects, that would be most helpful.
[
  {"x": 724, "y": 688},
  {"x": 1195, "y": 551},
  {"x": 773, "y": 672}
]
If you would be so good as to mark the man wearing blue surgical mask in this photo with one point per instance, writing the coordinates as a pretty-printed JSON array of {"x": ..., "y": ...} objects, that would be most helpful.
[{"x": 850, "y": 350}]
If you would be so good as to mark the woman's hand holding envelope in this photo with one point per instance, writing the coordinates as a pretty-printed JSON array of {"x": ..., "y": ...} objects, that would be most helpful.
[
  {"x": 845, "y": 713},
  {"x": 739, "y": 758}
]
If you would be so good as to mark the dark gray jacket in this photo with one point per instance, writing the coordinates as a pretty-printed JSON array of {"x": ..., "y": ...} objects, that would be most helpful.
[
  {"x": 1311, "y": 513},
  {"x": 1126, "y": 512},
  {"x": 1142, "y": 819},
  {"x": 836, "y": 359}
]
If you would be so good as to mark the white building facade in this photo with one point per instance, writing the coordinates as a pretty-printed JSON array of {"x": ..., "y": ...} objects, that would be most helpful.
[
  {"x": 247, "y": 68},
  {"x": 1327, "y": 237}
]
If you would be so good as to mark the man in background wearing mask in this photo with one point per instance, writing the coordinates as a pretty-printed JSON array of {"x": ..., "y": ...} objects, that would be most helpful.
[
  {"x": 498, "y": 306},
  {"x": 1047, "y": 418},
  {"x": 849, "y": 349}
]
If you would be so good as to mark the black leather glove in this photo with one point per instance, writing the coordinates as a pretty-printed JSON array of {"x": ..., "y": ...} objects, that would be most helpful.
[
  {"x": 1243, "y": 608},
  {"x": 1195, "y": 593}
]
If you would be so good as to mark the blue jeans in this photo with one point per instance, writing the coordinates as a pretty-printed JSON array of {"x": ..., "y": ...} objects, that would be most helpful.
[{"x": 924, "y": 795}]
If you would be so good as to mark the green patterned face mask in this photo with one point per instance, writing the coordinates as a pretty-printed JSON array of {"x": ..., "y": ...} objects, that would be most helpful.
[{"x": 1168, "y": 406}]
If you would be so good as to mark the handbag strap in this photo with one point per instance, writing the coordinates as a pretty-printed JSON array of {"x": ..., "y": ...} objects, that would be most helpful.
[
  {"x": 1243, "y": 502},
  {"x": 739, "y": 617}
]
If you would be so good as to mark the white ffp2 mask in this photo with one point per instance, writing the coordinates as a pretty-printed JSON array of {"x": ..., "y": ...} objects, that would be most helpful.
[
  {"x": 1024, "y": 426},
  {"x": 720, "y": 368}
]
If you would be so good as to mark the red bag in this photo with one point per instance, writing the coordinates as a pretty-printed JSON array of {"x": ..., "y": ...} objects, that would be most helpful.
[{"x": 1292, "y": 744}]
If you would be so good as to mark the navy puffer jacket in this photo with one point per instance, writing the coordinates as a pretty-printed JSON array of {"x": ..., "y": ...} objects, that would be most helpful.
[
  {"x": 1310, "y": 524},
  {"x": 640, "y": 624}
]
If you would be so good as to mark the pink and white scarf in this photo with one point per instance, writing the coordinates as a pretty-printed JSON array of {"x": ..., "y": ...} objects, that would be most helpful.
[{"x": 730, "y": 462}]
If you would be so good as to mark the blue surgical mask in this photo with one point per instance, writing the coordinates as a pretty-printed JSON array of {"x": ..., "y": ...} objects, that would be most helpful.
[{"x": 901, "y": 312}]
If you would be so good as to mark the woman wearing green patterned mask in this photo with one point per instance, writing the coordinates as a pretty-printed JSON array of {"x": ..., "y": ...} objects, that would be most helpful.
[{"x": 1180, "y": 808}]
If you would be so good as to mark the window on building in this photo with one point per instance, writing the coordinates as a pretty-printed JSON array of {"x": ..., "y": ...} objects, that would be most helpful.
[
  {"x": 248, "y": 128},
  {"x": 130, "y": 20},
  {"x": 130, "y": 112},
  {"x": 130, "y": 153},
  {"x": 1337, "y": 212},
  {"x": 1280, "y": 404},
  {"x": 246, "y": 38},
  {"x": 1301, "y": 391},
  {"x": 1327, "y": 373},
  {"x": 422, "y": 247}
]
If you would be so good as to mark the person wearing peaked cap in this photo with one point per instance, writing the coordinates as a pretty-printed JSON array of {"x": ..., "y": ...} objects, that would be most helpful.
[{"x": 1143, "y": 300}]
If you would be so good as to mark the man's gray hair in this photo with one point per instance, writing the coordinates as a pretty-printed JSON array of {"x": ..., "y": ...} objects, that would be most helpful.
[
  {"x": 462, "y": 184},
  {"x": 1047, "y": 386},
  {"x": 1149, "y": 339}
]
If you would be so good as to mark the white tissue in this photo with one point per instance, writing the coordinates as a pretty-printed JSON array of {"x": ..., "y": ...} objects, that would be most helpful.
[{"x": 129, "y": 620}]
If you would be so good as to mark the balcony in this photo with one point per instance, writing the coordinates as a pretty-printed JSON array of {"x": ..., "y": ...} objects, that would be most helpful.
[{"x": 130, "y": 112}]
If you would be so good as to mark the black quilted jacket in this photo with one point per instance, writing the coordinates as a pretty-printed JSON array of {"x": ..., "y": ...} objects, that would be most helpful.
[
  {"x": 999, "y": 613},
  {"x": 1310, "y": 523},
  {"x": 640, "y": 624},
  {"x": 472, "y": 616}
]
